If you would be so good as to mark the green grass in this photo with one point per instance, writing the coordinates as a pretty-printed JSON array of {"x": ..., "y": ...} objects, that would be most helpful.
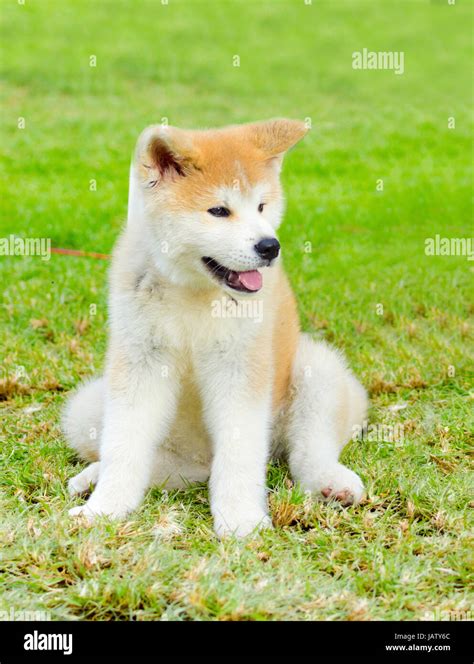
[{"x": 406, "y": 551}]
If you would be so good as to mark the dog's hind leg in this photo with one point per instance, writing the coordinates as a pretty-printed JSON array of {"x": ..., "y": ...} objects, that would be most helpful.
[
  {"x": 326, "y": 403},
  {"x": 82, "y": 419}
]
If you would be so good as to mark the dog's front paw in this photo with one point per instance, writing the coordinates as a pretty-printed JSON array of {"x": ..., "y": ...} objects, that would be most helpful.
[
  {"x": 339, "y": 483},
  {"x": 82, "y": 512},
  {"x": 240, "y": 523},
  {"x": 82, "y": 482},
  {"x": 92, "y": 510}
]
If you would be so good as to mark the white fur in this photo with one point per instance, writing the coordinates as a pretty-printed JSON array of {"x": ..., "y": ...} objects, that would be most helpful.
[
  {"x": 326, "y": 393},
  {"x": 176, "y": 403}
]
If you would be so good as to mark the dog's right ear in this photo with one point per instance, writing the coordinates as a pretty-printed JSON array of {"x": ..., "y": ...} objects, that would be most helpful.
[{"x": 162, "y": 153}]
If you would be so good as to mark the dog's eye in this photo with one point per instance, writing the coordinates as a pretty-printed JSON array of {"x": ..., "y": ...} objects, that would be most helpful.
[
  {"x": 261, "y": 206},
  {"x": 219, "y": 212}
]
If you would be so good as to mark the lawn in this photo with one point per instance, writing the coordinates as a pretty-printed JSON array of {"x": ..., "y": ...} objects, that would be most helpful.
[{"x": 382, "y": 170}]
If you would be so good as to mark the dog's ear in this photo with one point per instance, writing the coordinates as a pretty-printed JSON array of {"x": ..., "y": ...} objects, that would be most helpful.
[
  {"x": 163, "y": 152},
  {"x": 275, "y": 137}
]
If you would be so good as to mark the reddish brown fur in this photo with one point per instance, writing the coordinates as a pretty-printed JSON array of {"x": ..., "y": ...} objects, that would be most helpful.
[{"x": 238, "y": 155}]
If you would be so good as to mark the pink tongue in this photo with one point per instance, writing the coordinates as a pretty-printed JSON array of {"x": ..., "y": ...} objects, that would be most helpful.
[{"x": 251, "y": 280}]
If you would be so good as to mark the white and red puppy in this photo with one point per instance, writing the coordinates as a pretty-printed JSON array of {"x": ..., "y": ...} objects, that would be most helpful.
[{"x": 192, "y": 391}]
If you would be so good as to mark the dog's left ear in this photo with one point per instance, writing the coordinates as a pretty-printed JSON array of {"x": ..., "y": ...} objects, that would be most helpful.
[
  {"x": 275, "y": 137},
  {"x": 163, "y": 152}
]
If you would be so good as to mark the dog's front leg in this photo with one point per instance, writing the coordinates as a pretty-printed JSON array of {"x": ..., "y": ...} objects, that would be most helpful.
[
  {"x": 238, "y": 418},
  {"x": 140, "y": 403}
]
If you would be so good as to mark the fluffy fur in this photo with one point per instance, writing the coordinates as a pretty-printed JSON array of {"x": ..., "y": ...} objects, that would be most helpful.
[{"x": 192, "y": 391}]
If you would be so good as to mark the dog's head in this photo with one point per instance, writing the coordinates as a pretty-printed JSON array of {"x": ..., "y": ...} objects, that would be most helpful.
[{"x": 212, "y": 200}]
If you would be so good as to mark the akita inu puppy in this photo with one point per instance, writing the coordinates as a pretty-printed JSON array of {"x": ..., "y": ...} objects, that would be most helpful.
[{"x": 188, "y": 394}]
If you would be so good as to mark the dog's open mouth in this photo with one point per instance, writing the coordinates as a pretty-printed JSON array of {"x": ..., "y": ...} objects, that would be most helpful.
[{"x": 246, "y": 282}]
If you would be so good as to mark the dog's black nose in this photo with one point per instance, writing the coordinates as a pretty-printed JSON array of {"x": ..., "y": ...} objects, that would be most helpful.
[{"x": 268, "y": 248}]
